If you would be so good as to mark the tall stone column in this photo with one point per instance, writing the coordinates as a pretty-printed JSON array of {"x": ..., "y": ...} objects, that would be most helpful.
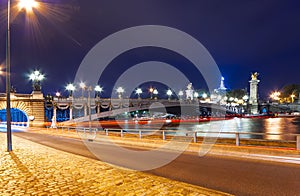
[{"x": 253, "y": 100}]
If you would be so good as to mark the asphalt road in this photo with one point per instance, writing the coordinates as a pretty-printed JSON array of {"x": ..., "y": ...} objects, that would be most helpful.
[{"x": 230, "y": 175}]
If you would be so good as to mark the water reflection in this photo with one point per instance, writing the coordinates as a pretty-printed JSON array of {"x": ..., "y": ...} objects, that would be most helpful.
[
  {"x": 273, "y": 128},
  {"x": 265, "y": 128}
]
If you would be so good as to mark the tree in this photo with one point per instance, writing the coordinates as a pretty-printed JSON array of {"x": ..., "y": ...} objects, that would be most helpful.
[
  {"x": 289, "y": 90},
  {"x": 237, "y": 93}
]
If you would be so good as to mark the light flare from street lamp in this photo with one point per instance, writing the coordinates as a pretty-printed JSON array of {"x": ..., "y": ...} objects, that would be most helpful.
[
  {"x": 155, "y": 91},
  {"x": 36, "y": 76},
  {"x": 275, "y": 95},
  {"x": 180, "y": 93},
  {"x": 196, "y": 95},
  {"x": 138, "y": 91},
  {"x": 98, "y": 88},
  {"x": 120, "y": 90},
  {"x": 82, "y": 85},
  {"x": 245, "y": 97},
  {"x": 28, "y": 5},
  {"x": 169, "y": 92},
  {"x": 70, "y": 87}
]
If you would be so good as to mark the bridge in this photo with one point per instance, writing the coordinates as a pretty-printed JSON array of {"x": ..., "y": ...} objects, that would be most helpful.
[
  {"x": 30, "y": 108},
  {"x": 85, "y": 109},
  {"x": 34, "y": 109}
]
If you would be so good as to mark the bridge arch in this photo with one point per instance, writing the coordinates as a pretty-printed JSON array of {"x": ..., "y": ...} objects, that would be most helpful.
[{"x": 19, "y": 113}]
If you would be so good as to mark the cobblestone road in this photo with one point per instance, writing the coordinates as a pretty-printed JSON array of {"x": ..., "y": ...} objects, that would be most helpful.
[{"x": 33, "y": 169}]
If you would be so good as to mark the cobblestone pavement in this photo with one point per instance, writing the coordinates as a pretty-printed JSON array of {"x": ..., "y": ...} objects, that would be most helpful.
[{"x": 33, "y": 169}]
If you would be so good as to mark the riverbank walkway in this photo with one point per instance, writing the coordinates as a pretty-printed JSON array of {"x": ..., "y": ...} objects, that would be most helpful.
[{"x": 34, "y": 169}]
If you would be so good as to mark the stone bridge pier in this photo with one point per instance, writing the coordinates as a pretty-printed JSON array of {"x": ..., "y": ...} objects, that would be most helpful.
[{"x": 33, "y": 106}]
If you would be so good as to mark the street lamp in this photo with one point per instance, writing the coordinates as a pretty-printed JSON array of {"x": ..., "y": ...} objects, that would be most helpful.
[
  {"x": 293, "y": 96},
  {"x": 28, "y": 5},
  {"x": 180, "y": 93},
  {"x": 83, "y": 87},
  {"x": 245, "y": 98},
  {"x": 36, "y": 77},
  {"x": 120, "y": 91},
  {"x": 169, "y": 93},
  {"x": 151, "y": 92},
  {"x": 57, "y": 94},
  {"x": 138, "y": 91},
  {"x": 155, "y": 92},
  {"x": 98, "y": 90},
  {"x": 196, "y": 95},
  {"x": 70, "y": 87},
  {"x": 89, "y": 89}
]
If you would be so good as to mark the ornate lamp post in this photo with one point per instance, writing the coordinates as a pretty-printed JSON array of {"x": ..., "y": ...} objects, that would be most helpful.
[
  {"x": 120, "y": 92},
  {"x": 57, "y": 94},
  {"x": 70, "y": 87},
  {"x": 27, "y": 5},
  {"x": 98, "y": 89},
  {"x": 169, "y": 93},
  {"x": 180, "y": 94},
  {"x": 196, "y": 95},
  {"x": 138, "y": 91},
  {"x": 83, "y": 88},
  {"x": 155, "y": 92},
  {"x": 89, "y": 89},
  {"x": 151, "y": 92},
  {"x": 36, "y": 77}
]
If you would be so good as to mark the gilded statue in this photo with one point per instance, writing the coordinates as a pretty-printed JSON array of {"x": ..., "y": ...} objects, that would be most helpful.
[{"x": 254, "y": 76}]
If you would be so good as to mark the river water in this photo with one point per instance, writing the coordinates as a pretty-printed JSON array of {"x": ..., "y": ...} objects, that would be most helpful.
[
  {"x": 261, "y": 128},
  {"x": 272, "y": 128}
]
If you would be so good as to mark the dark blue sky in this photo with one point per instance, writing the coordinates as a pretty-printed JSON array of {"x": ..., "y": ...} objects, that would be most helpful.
[{"x": 242, "y": 36}]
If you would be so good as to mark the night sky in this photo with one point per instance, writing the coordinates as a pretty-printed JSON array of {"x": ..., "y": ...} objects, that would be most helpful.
[{"x": 242, "y": 36}]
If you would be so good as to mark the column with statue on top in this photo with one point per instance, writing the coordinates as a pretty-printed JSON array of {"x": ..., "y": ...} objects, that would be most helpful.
[{"x": 253, "y": 100}]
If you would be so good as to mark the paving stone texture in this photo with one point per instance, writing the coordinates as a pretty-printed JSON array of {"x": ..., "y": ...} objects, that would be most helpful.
[{"x": 34, "y": 169}]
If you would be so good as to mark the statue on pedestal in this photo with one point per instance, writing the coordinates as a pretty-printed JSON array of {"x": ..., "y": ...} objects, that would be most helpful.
[
  {"x": 254, "y": 76},
  {"x": 189, "y": 92}
]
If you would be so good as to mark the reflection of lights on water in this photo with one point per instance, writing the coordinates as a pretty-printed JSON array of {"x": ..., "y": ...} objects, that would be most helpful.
[
  {"x": 276, "y": 126},
  {"x": 232, "y": 125},
  {"x": 273, "y": 126}
]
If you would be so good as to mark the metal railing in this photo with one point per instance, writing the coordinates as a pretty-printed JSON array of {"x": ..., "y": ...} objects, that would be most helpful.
[{"x": 85, "y": 131}]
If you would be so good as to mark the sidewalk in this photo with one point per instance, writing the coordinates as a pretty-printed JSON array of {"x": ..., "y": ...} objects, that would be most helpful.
[{"x": 33, "y": 169}]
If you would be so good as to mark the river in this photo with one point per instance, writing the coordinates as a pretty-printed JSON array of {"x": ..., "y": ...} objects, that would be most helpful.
[{"x": 280, "y": 128}]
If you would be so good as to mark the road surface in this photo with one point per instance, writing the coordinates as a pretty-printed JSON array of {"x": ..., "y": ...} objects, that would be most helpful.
[{"x": 230, "y": 175}]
